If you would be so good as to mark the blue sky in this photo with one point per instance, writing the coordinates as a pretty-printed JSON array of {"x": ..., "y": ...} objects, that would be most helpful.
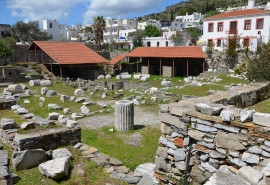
[{"x": 71, "y": 12}]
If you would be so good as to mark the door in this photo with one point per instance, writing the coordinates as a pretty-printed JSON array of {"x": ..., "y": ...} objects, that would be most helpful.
[{"x": 233, "y": 27}]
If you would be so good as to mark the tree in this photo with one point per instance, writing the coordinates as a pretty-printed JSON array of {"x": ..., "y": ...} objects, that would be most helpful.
[
  {"x": 177, "y": 38},
  {"x": 137, "y": 38},
  {"x": 28, "y": 32},
  {"x": 194, "y": 32},
  {"x": 98, "y": 26},
  {"x": 7, "y": 45},
  {"x": 258, "y": 64},
  {"x": 5, "y": 52},
  {"x": 151, "y": 31}
]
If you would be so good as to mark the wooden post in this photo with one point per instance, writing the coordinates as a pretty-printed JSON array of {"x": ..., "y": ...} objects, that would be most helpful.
[
  {"x": 137, "y": 66},
  {"x": 203, "y": 65},
  {"x": 36, "y": 52},
  {"x": 61, "y": 71},
  {"x": 187, "y": 68},
  {"x": 42, "y": 57},
  {"x": 160, "y": 67},
  {"x": 148, "y": 67},
  {"x": 51, "y": 64},
  {"x": 173, "y": 69}
]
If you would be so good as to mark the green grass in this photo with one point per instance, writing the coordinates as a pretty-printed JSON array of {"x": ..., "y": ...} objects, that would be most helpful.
[
  {"x": 227, "y": 80},
  {"x": 196, "y": 90},
  {"x": 114, "y": 144},
  {"x": 263, "y": 107}
]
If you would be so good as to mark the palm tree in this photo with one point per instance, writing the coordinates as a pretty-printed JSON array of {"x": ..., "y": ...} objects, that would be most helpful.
[{"x": 98, "y": 26}]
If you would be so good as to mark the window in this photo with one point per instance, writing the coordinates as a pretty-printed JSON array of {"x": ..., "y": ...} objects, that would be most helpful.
[
  {"x": 148, "y": 44},
  {"x": 210, "y": 43},
  {"x": 175, "y": 24},
  {"x": 220, "y": 26},
  {"x": 259, "y": 24},
  {"x": 50, "y": 25},
  {"x": 2, "y": 33},
  {"x": 210, "y": 27},
  {"x": 218, "y": 42},
  {"x": 167, "y": 43},
  {"x": 233, "y": 27},
  {"x": 246, "y": 42},
  {"x": 157, "y": 44},
  {"x": 247, "y": 24}
]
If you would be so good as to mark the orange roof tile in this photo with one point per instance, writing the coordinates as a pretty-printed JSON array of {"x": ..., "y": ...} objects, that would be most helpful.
[
  {"x": 117, "y": 59},
  {"x": 168, "y": 52},
  {"x": 68, "y": 52},
  {"x": 238, "y": 13}
]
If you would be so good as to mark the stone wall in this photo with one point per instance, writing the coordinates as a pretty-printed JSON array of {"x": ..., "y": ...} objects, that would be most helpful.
[
  {"x": 199, "y": 136},
  {"x": 221, "y": 62},
  {"x": 46, "y": 139},
  {"x": 12, "y": 74}
]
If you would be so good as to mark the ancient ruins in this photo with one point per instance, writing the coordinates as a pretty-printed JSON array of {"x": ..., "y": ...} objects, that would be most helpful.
[{"x": 204, "y": 140}]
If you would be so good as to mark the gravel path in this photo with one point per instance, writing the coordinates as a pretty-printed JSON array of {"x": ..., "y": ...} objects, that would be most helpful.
[{"x": 141, "y": 117}]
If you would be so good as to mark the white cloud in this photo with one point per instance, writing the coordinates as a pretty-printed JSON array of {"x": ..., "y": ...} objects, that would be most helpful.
[
  {"x": 80, "y": 10},
  {"x": 32, "y": 10},
  {"x": 118, "y": 8}
]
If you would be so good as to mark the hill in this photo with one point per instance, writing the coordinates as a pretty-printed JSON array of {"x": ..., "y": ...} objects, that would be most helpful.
[{"x": 202, "y": 6}]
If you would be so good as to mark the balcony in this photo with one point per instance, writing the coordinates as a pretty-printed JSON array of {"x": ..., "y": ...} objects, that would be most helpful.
[{"x": 232, "y": 31}]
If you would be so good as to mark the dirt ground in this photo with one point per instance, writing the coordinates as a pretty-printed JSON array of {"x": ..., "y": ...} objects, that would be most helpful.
[{"x": 142, "y": 116}]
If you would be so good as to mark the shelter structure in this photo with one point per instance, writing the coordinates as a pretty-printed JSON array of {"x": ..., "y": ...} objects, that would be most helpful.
[
  {"x": 67, "y": 59},
  {"x": 167, "y": 61},
  {"x": 114, "y": 65}
]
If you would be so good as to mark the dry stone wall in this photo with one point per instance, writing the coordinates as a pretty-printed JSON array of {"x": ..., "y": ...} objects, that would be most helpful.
[
  {"x": 200, "y": 137},
  {"x": 45, "y": 139}
]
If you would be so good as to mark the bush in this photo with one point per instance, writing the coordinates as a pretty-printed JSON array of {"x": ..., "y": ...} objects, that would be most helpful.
[{"x": 258, "y": 64}]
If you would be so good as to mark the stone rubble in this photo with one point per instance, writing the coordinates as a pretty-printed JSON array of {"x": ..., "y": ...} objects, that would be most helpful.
[{"x": 216, "y": 141}]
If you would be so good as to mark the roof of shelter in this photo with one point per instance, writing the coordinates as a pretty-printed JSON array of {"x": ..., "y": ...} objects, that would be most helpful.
[
  {"x": 68, "y": 52},
  {"x": 117, "y": 59},
  {"x": 168, "y": 52},
  {"x": 238, "y": 13}
]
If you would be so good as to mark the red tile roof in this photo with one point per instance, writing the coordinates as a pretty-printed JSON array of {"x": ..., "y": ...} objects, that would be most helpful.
[
  {"x": 68, "y": 52},
  {"x": 117, "y": 59},
  {"x": 168, "y": 52},
  {"x": 238, "y": 13}
]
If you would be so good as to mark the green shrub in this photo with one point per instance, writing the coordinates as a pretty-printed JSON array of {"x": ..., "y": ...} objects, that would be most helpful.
[{"x": 258, "y": 64}]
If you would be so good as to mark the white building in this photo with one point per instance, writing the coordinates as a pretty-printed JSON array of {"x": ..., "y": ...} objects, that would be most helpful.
[
  {"x": 58, "y": 31},
  {"x": 187, "y": 21},
  {"x": 251, "y": 26},
  {"x": 114, "y": 28},
  {"x": 163, "y": 41},
  {"x": 156, "y": 23}
]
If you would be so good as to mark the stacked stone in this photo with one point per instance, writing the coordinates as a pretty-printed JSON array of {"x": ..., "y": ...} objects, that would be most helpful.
[
  {"x": 4, "y": 172},
  {"x": 112, "y": 166},
  {"x": 198, "y": 142}
]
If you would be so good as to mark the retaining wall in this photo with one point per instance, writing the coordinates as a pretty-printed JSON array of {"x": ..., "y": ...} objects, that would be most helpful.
[
  {"x": 195, "y": 144},
  {"x": 47, "y": 139}
]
